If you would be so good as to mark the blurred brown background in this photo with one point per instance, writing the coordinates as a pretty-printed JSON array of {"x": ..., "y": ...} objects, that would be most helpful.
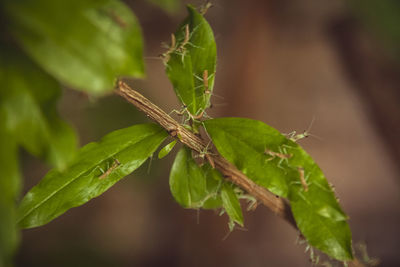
[{"x": 282, "y": 62}]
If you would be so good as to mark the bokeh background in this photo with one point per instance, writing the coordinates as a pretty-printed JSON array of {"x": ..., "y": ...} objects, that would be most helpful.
[{"x": 282, "y": 62}]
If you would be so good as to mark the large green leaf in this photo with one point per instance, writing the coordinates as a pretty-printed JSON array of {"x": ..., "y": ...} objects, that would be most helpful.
[
  {"x": 187, "y": 61},
  {"x": 97, "y": 167},
  {"x": 83, "y": 43},
  {"x": 282, "y": 166},
  {"x": 28, "y": 98},
  {"x": 9, "y": 190}
]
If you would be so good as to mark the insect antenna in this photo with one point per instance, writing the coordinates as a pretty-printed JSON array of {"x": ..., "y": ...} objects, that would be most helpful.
[{"x": 307, "y": 133}]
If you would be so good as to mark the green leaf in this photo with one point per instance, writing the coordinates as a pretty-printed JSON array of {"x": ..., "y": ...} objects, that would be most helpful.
[
  {"x": 214, "y": 182},
  {"x": 9, "y": 190},
  {"x": 97, "y": 167},
  {"x": 242, "y": 142},
  {"x": 282, "y": 166},
  {"x": 165, "y": 150},
  {"x": 187, "y": 62},
  {"x": 83, "y": 43},
  {"x": 231, "y": 205},
  {"x": 326, "y": 230},
  {"x": 187, "y": 181},
  {"x": 193, "y": 186},
  {"x": 28, "y": 100},
  {"x": 170, "y": 6}
]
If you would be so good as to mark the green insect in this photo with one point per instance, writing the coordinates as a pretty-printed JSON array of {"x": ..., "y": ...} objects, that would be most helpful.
[
  {"x": 294, "y": 136},
  {"x": 106, "y": 173}
]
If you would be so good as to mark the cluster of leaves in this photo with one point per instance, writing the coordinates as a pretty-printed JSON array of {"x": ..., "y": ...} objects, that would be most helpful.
[
  {"x": 81, "y": 43},
  {"x": 269, "y": 158},
  {"x": 28, "y": 118}
]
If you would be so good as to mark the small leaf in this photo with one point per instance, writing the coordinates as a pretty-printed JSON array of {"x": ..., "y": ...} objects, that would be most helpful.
[
  {"x": 193, "y": 186},
  {"x": 231, "y": 204},
  {"x": 9, "y": 190},
  {"x": 97, "y": 167},
  {"x": 83, "y": 43},
  {"x": 187, "y": 180},
  {"x": 165, "y": 150},
  {"x": 28, "y": 101},
  {"x": 191, "y": 62},
  {"x": 214, "y": 182},
  {"x": 282, "y": 166}
]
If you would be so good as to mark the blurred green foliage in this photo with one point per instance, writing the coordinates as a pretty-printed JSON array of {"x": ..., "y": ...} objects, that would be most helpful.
[
  {"x": 29, "y": 118},
  {"x": 382, "y": 18},
  {"x": 9, "y": 190},
  {"x": 85, "y": 44},
  {"x": 29, "y": 101}
]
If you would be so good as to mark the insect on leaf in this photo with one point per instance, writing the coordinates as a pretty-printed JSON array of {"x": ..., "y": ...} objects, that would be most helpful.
[
  {"x": 191, "y": 62},
  {"x": 273, "y": 161},
  {"x": 97, "y": 167}
]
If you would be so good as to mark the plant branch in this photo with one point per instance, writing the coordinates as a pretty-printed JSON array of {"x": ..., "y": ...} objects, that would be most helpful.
[{"x": 276, "y": 204}]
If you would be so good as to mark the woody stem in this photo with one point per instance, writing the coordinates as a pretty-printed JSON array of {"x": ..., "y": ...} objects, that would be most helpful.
[{"x": 276, "y": 204}]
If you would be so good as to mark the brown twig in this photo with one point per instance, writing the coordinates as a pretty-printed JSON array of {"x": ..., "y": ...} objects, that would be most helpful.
[{"x": 276, "y": 204}]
